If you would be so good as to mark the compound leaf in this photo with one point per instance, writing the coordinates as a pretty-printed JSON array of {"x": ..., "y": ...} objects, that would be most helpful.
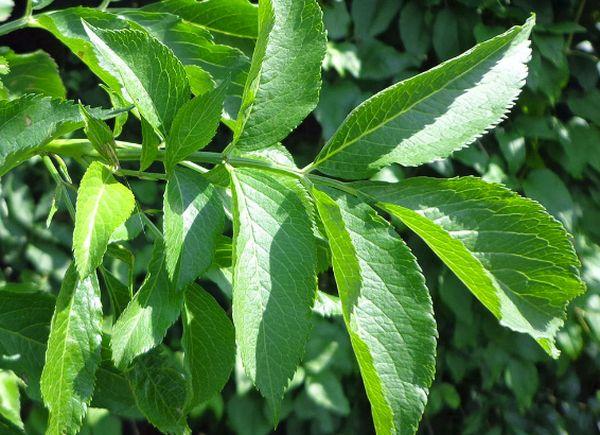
[
  {"x": 513, "y": 256},
  {"x": 194, "y": 126},
  {"x": 274, "y": 276},
  {"x": 103, "y": 204},
  {"x": 153, "y": 309},
  {"x": 208, "y": 343},
  {"x": 73, "y": 353},
  {"x": 160, "y": 390},
  {"x": 430, "y": 115},
  {"x": 386, "y": 307},
  {"x": 193, "y": 221},
  {"x": 154, "y": 78},
  {"x": 285, "y": 74}
]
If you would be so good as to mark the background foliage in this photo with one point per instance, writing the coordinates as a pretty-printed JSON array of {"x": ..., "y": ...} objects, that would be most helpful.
[{"x": 489, "y": 380}]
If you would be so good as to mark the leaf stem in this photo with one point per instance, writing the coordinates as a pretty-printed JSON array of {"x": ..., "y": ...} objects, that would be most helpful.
[
  {"x": 60, "y": 183},
  {"x": 15, "y": 25}
]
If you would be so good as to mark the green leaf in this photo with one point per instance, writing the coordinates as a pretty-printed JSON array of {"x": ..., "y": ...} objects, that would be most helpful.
[
  {"x": 100, "y": 136},
  {"x": 153, "y": 309},
  {"x": 430, "y": 115},
  {"x": 231, "y": 17},
  {"x": 414, "y": 32},
  {"x": 446, "y": 41},
  {"x": 386, "y": 307},
  {"x": 24, "y": 327},
  {"x": 372, "y": 17},
  {"x": 273, "y": 291},
  {"x": 194, "y": 126},
  {"x": 285, "y": 75},
  {"x": 150, "y": 143},
  {"x": 119, "y": 293},
  {"x": 103, "y": 204},
  {"x": 10, "y": 400},
  {"x": 193, "y": 221},
  {"x": 30, "y": 122},
  {"x": 113, "y": 391},
  {"x": 73, "y": 353},
  {"x": 157, "y": 84},
  {"x": 33, "y": 73},
  {"x": 194, "y": 46},
  {"x": 548, "y": 189},
  {"x": 208, "y": 343},
  {"x": 514, "y": 257},
  {"x": 39, "y": 4},
  {"x": 160, "y": 390},
  {"x": 325, "y": 389},
  {"x": 67, "y": 26}
]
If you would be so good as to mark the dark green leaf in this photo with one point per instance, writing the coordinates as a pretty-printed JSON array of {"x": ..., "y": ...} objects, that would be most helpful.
[
  {"x": 387, "y": 310},
  {"x": 33, "y": 73},
  {"x": 208, "y": 343},
  {"x": 193, "y": 221}
]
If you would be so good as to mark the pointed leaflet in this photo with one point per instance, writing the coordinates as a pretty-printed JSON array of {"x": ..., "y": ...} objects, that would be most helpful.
[
  {"x": 514, "y": 257},
  {"x": 193, "y": 46},
  {"x": 160, "y": 390},
  {"x": 100, "y": 136},
  {"x": 150, "y": 143},
  {"x": 24, "y": 326},
  {"x": 193, "y": 220},
  {"x": 285, "y": 75},
  {"x": 429, "y": 116},
  {"x": 73, "y": 353},
  {"x": 194, "y": 126},
  {"x": 103, "y": 204},
  {"x": 151, "y": 312},
  {"x": 30, "y": 122},
  {"x": 386, "y": 307},
  {"x": 274, "y": 276},
  {"x": 67, "y": 26},
  {"x": 208, "y": 343},
  {"x": 231, "y": 17},
  {"x": 150, "y": 73}
]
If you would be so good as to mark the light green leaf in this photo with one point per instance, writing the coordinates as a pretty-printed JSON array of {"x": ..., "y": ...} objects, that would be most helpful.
[
  {"x": 100, "y": 136},
  {"x": 160, "y": 390},
  {"x": 285, "y": 74},
  {"x": 231, "y": 17},
  {"x": 157, "y": 84},
  {"x": 153, "y": 309},
  {"x": 194, "y": 126},
  {"x": 24, "y": 327},
  {"x": 33, "y": 73},
  {"x": 73, "y": 353},
  {"x": 193, "y": 221},
  {"x": 103, "y": 204},
  {"x": 326, "y": 391},
  {"x": 208, "y": 343},
  {"x": 273, "y": 291},
  {"x": 6, "y": 7},
  {"x": 386, "y": 307},
  {"x": 430, "y": 115},
  {"x": 30, "y": 122},
  {"x": 514, "y": 257},
  {"x": 10, "y": 400}
]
